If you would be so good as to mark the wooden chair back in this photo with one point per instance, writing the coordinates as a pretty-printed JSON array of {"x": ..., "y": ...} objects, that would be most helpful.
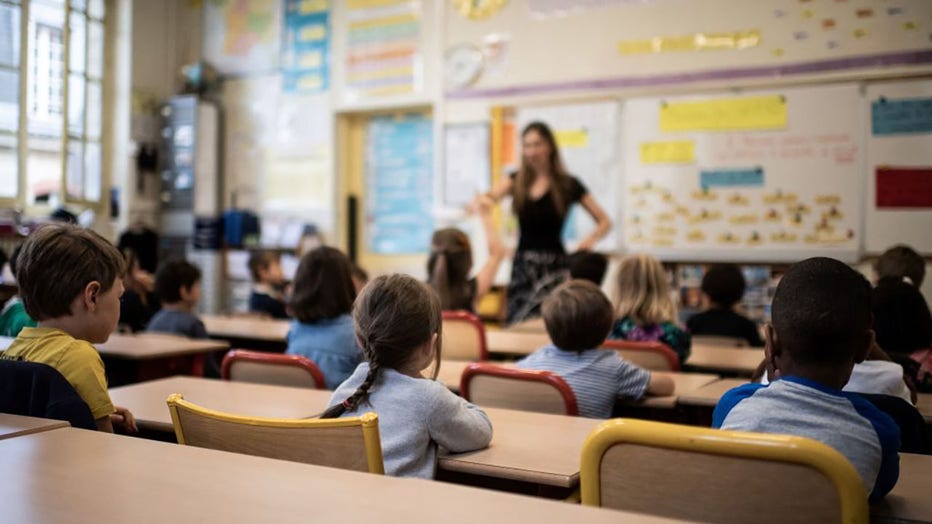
[
  {"x": 541, "y": 391},
  {"x": 708, "y": 475},
  {"x": 271, "y": 368},
  {"x": 655, "y": 356},
  {"x": 463, "y": 337},
  {"x": 348, "y": 443}
]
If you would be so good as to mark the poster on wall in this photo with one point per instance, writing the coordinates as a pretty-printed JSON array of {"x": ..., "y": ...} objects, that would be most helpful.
[
  {"x": 758, "y": 176},
  {"x": 305, "y": 48},
  {"x": 399, "y": 184},
  {"x": 242, "y": 36},
  {"x": 467, "y": 166},
  {"x": 383, "y": 48}
]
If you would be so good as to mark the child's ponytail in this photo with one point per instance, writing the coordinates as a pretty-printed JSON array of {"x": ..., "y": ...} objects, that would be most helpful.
[
  {"x": 394, "y": 315},
  {"x": 448, "y": 268}
]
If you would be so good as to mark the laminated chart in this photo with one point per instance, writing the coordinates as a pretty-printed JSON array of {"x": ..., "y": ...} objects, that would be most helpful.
[{"x": 771, "y": 175}]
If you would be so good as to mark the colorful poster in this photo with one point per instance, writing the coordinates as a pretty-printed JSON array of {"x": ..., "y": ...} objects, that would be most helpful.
[
  {"x": 242, "y": 36},
  {"x": 901, "y": 116},
  {"x": 383, "y": 48},
  {"x": 725, "y": 114},
  {"x": 904, "y": 187},
  {"x": 399, "y": 184},
  {"x": 306, "y": 48}
]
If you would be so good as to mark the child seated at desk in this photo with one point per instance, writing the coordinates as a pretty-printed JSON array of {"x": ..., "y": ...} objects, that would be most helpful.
[
  {"x": 397, "y": 321},
  {"x": 321, "y": 303},
  {"x": 13, "y": 317},
  {"x": 178, "y": 286},
  {"x": 578, "y": 316},
  {"x": 644, "y": 308},
  {"x": 266, "y": 296},
  {"x": 722, "y": 287},
  {"x": 821, "y": 328},
  {"x": 70, "y": 280}
]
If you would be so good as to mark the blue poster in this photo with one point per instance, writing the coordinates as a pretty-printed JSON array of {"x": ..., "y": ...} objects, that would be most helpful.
[
  {"x": 746, "y": 177},
  {"x": 901, "y": 116},
  {"x": 306, "y": 47},
  {"x": 399, "y": 184}
]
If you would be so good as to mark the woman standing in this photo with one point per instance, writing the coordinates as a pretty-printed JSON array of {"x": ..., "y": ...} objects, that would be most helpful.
[{"x": 542, "y": 192}]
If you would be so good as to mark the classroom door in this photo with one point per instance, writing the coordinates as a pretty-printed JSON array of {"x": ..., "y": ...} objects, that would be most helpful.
[{"x": 385, "y": 165}]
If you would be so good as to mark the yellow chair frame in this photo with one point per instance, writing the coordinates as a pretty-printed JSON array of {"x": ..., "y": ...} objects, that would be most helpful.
[
  {"x": 782, "y": 448},
  {"x": 368, "y": 422}
]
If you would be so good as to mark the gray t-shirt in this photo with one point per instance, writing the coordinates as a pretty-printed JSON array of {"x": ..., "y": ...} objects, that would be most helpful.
[
  {"x": 415, "y": 416},
  {"x": 177, "y": 322}
]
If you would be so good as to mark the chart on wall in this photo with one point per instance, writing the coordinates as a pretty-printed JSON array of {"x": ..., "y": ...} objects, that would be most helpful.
[
  {"x": 242, "y": 36},
  {"x": 899, "y": 166},
  {"x": 771, "y": 175},
  {"x": 399, "y": 184},
  {"x": 587, "y": 135}
]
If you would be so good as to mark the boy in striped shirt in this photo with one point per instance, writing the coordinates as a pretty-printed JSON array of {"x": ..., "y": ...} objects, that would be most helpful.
[{"x": 578, "y": 317}]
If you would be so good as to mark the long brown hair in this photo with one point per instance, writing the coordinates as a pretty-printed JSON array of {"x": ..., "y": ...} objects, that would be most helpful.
[
  {"x": 323, "y": 286},
  {"x": 448, "y": 268},
  {"x": 643, "y": 292},
  {"x": 560, "y": 185},
  {"x": 394, "y": 315}
]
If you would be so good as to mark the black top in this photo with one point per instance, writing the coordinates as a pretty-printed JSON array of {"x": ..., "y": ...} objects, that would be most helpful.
[
  {"x": 145, "y": 244},
  {"x": 540, "y": 223},
  {"x": 135, "y": 314},
  {"x": 724, "y": 323},
  {"x": 901, "y": 317},
  {"x": 263, "y": 303}
]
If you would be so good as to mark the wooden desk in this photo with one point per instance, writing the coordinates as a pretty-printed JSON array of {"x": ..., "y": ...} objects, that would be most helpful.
[
  {"x": 708, "y": 395},
  {"x": 910, "y": 500},
  {"x": 526, "y": 446},
  {"x": 17, "y": 426},
  {"x": 924, "y": 405},
  {"x": 735, "y": 361},
  {"x": 534, "y": 325},
  {"x": 247, "y": 328},
  {"x": 147, "y": 399},
  {"x": 684, "y": 384},
  {"x": 147, "y": 346},
  {"x": 515, "y": 343},
  {"x": 159, "y": 482}
]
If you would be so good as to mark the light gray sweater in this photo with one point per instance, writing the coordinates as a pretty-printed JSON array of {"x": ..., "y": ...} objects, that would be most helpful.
[{"x": 415, "y": 416}]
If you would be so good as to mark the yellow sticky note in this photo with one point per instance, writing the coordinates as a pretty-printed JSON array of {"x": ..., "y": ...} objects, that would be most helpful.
[
  {"x": 373, "y": 4},
  {"x": 635, "y": 47},
  {"x": 672, "y": 152},
  {"x": 572, "y": 138},
  {"x": 310, "y": 82},
  {"x": 311, "y": 60},
  {"x": 726, "y": 114},
  {"x": 312, "y": 6},
  {"x": 313, "y": 33}
]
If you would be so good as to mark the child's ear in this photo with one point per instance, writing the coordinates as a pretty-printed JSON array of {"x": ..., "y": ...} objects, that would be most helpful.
[
  {"x": 861, "y": 355},
  {"x": 91, "y": 293}
]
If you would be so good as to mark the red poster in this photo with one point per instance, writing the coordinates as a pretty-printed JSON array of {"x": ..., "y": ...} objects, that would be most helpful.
[{"x": 904, "y": 187}]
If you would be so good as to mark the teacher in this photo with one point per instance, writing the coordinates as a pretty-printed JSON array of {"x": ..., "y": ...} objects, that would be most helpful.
[{"x": 542, "y": 193}]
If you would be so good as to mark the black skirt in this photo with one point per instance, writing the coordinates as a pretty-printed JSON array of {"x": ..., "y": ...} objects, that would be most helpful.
[{"x": 534, "y": 274}]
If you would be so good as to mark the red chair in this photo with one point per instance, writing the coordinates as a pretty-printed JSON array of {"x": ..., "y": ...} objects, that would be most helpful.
[
  {"x": 463, "y": 337},
  {"x": 271, "y": 368},
  {"x": 528, "y": 390},
  {"x": 655, "y": 356}
]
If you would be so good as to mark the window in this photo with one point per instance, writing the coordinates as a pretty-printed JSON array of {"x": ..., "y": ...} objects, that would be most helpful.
[{"x": 51, "y": 98}]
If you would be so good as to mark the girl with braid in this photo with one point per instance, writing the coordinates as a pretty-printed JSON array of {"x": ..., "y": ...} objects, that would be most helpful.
[{"x": 397, "y": 324}]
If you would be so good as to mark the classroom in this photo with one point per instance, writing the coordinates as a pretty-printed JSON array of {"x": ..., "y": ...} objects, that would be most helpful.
[{"x": 466, "y": 260}]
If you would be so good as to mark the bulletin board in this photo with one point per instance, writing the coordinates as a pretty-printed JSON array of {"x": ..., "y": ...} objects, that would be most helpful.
[
  {"x": 767, "y": 175},
  {"x": 899, "y": 166},
  {"x": 587, "y": 135}
]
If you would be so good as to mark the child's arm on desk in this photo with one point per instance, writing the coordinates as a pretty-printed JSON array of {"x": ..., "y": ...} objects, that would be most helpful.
[
  {"x": 122, "y": 417},
  {"x": 660, "y": 385}
]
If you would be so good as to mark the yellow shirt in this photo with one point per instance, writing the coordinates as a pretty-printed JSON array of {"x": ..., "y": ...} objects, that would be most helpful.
[{"x": 77, "y": 360}]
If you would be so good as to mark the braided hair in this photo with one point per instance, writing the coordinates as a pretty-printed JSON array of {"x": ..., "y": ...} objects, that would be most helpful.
[{"x": 393, "y": 316}]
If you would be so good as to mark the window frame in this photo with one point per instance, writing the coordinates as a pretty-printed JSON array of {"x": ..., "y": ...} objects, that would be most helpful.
[{"x": 21, "y": 135}]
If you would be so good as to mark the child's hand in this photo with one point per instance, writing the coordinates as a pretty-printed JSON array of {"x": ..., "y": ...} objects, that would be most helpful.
[
  {"x": 485, "y": 204},
  {"x": 125, "y": 419}
]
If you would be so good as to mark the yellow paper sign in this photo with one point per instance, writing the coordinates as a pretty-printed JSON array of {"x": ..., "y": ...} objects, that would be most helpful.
[
  {"x": 572, "y": 138},
  {"x": 313, "y": 33},
  {"x": 312, "y": 6},
  {"x": 673, "y": 152},
  {"x": 693, "y": 42},
  {"x": 727, "y": 114}
]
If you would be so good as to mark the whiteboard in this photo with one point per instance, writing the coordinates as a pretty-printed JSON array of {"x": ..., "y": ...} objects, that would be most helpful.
[
  {"x": 588, "y": 134},
  {"x": 886, "y": 226},
  {"x": 754, "y": 188},
  {"x": 467, "y": 168}
]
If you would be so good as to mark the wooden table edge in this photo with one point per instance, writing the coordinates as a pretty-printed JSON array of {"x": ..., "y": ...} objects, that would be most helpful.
[
  {"x": 459, "y": 465},
  {"x": 57, "y": 424}
]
